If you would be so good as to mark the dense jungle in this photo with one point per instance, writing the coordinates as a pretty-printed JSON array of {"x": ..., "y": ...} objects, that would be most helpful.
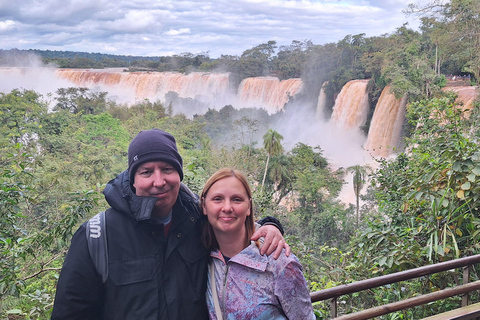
[{"x": 419, "y": 207}]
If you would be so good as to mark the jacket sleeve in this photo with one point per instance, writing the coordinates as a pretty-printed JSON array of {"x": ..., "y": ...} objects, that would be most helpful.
[
  {"x": 292, "y": 291},
  {"x": 79, "y": 294},
  {"x": 268, "y": 220}
]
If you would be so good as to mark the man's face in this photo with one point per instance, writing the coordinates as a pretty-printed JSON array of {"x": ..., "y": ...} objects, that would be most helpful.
[{"x": 158, "y": 179}]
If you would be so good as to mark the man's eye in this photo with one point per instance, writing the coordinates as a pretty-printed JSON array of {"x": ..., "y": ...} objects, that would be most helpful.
[{"x": 168, "y": 170}]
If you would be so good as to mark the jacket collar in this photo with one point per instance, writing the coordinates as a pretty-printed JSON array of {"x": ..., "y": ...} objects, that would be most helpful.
[
  {"x": 120, "y": 196},
  {"x": 249, "y": 257}
]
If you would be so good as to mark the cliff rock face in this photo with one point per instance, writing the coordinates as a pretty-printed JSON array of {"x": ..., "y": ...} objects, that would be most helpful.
[{"x": 466, "y": 94}]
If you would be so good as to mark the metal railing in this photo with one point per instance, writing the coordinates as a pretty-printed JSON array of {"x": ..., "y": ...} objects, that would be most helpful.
[{"x": 464, "y": 289}]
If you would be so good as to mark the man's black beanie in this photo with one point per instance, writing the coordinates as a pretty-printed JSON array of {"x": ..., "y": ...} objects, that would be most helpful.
[{"x": 153, "y": 145}]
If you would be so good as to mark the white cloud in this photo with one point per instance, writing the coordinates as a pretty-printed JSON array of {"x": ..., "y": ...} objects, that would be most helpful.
[
  {"x": 6, "y": 25},
  {"x": 135, "y": 21},
  {"x": 172, "y": 32}
]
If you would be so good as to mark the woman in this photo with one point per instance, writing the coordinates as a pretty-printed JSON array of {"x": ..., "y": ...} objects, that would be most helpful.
[{"x": 248, "y": 285}]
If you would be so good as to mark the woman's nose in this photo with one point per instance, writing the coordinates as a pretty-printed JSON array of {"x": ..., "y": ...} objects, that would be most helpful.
[{"x": 227, "y": 207}]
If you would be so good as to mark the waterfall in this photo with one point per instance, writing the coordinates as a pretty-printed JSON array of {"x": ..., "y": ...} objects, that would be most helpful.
[
  {"x": 321, "y": 113},
  {"x": 386, "y": 125},
  {"x": 267, "y": 92},
  {"x": 261, "y": 92},
  {"x": 153, "y": 85},
  {"x": 351, "y": 106}
]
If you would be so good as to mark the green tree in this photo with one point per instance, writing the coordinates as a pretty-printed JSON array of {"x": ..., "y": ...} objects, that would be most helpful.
[
  {"x": 463, "y": 17},
  {"x": 320, "y": 218},
  {"x": 400, "y": 61},
  {"x": 360, "y": 174},
  {"x": 20, "y": 112},
  {"x": 31, "y": 234},
  {"x": 272, "y": 142},
  {"x": 256, "y": 61},
  {"x": 81, "y": 100},
  {"x": 290, "y": 59},
  {"x": 456, "y": 32}
]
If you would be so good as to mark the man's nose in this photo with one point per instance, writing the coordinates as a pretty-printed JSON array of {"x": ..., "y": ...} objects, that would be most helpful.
[{"x": 158, "y": 178}]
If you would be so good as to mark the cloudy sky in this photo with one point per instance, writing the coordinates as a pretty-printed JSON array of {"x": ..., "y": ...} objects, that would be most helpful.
[{"x": 167, "y": 27}]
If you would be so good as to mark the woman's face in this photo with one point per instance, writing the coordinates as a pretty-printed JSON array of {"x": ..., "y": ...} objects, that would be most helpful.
[{"x": 227, "y": 206}]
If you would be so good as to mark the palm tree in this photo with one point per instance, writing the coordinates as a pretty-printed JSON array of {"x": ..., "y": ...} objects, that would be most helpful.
[
  {"x": 280, "y": 172},
  {"x": 359, "y": 177},
  {"x": 272, "y": 144}
]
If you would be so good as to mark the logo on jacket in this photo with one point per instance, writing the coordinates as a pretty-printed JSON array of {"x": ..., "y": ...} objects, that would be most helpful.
[{"x": 95, "y": 228}]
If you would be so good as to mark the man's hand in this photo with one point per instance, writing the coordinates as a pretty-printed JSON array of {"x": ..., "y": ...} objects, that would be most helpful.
[{"x": 274, "y": 241}]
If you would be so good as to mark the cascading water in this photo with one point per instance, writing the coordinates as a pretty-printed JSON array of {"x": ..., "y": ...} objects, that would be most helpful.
[
  {"x": 322, "y": 103},
  {"x": 351, "y": 106},
  {"x": 153, "y": 85},
  {"x": 386, "y": 125},
  {"x": 261, "y": 92},
  {"x": 267, "y": 92}
]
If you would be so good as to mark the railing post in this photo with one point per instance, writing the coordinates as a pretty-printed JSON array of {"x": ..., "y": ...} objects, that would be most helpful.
[
  {"x": 333, "y": 307},
  {"x": 466, "y": 279}
]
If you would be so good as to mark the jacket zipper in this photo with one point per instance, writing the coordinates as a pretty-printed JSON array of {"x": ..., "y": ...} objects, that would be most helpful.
[{"x": 224, "y": 289}]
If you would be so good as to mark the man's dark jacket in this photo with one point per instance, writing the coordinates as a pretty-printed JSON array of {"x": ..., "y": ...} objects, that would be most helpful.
[{"x": 150, "y": 276}]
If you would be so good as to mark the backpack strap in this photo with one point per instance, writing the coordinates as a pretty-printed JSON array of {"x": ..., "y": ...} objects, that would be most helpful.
[{"x": 97, "y": 244}]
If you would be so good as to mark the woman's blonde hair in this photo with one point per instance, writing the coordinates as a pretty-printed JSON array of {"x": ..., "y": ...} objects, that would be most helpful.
[{"x": 208, "y": 236}]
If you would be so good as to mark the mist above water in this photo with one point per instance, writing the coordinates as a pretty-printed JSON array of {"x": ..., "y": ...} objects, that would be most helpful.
[{"x": 298, "y": 123}]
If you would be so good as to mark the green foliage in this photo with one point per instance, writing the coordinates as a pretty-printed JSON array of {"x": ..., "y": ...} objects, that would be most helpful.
[
  {"x": 256, "y": 61},
  {"x": 430, "y": 193},
  {"x": 20, "y": 112},
  {"x": 290, "y": 59},
  {"x": 312, "y": 189},
  {"x": 40, "y": 194},
  {"x": 29, "y": 234},
  {"x": 81, "y": 100},
  {"x": 273, "y": 146}
]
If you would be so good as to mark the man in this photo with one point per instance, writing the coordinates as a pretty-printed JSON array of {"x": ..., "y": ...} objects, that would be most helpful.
[{"x": 157, "y": 266}]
